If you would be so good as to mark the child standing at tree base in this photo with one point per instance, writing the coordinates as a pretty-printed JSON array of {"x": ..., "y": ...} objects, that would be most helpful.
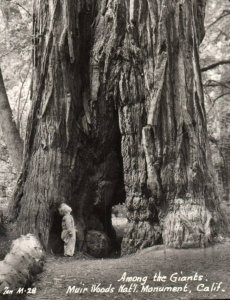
[{"x": 68, "y": 234}]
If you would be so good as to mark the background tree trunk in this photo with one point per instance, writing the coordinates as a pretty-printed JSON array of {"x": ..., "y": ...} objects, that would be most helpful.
[
  {"x": 10, "y": 132},
  {"x": 118, "y": 103}
]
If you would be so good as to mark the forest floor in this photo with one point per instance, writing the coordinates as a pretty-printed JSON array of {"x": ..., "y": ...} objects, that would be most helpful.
[
  {"x": 212, "y": 264},
  {"x": 65, "y": 278}
]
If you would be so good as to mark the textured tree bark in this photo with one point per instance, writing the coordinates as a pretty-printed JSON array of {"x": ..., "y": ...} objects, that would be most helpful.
[
  {"x": 118, "y": 103},
  {"x": 72, "y": 151},
  {"x": 10, "y": 132},
  {"x": 169, "y": 184}
]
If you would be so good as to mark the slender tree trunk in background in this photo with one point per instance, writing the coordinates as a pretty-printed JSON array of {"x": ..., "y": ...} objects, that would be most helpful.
[
  {"x": 10, "y": 132},
  {"x": 118, "y": 103}
]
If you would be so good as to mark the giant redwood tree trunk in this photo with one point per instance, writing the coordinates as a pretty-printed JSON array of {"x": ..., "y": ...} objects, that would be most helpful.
[
  {"x": 72, "y": 151},
  {"x": 118, "y": 103},
  {"x": 170, "y": 192}
]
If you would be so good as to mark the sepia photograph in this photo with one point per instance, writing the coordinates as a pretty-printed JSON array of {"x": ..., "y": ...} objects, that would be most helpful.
[{"x": 114, "y": 149}]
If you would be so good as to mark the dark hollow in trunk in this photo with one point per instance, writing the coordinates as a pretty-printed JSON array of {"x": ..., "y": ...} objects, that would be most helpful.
[{"x": 73, "y": 139}]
